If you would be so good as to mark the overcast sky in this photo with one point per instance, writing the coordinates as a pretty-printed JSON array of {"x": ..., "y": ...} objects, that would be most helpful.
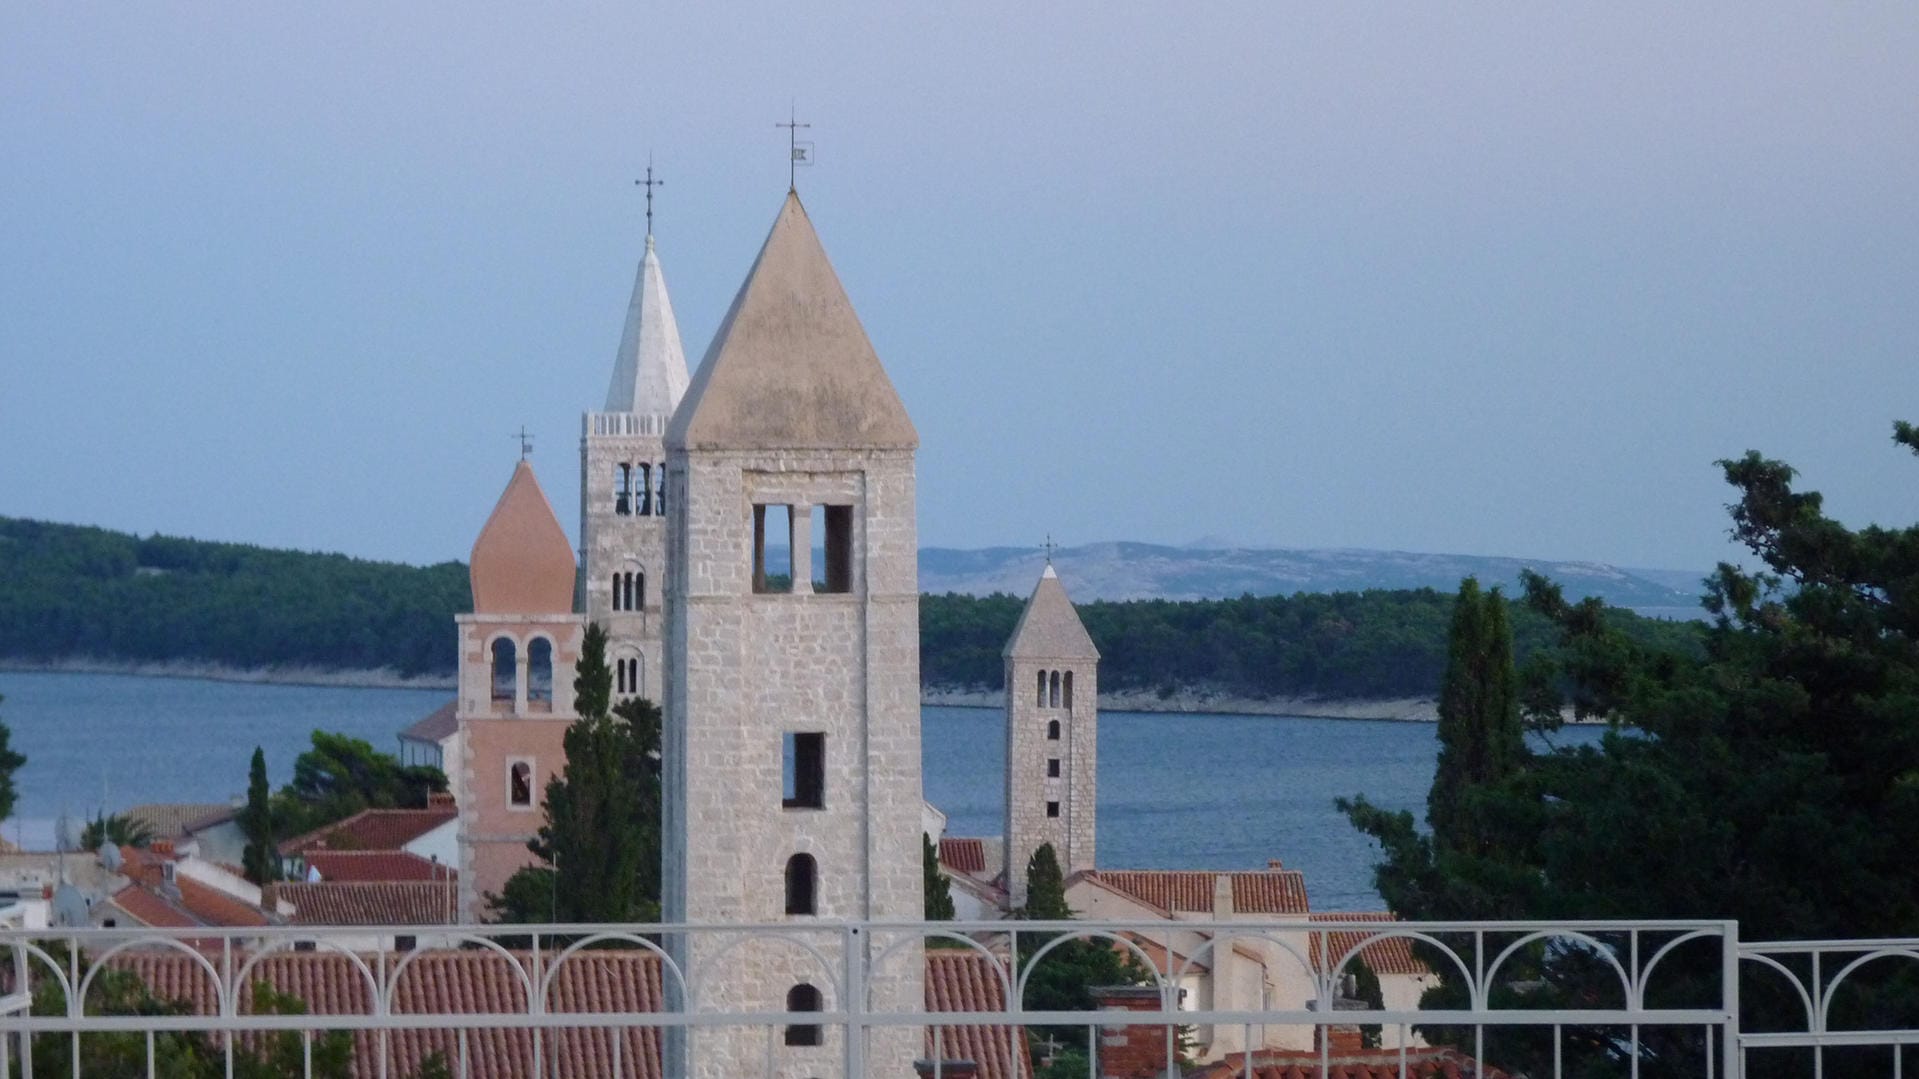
[{"x": 1492, "y": 280}]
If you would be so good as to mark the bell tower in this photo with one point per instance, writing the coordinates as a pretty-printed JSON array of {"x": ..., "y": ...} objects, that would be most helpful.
[
  {"x": 623, "y": 483},
  {"x": 1052, "y": 735},
  {"x": 792, "y": 739}
]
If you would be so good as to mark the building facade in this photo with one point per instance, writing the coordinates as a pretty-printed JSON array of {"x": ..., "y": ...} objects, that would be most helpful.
[{"x": 1052, "y": 736}]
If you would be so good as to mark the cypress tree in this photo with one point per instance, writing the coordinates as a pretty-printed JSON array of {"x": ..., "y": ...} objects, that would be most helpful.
[
  {"x": 1480, "y": 737},
  {"x": 1045, "y": 887},
  {"x": 939, "y": 890},
  {"x": 259, "y": 861},
  {"x": 592, "y": 678}
]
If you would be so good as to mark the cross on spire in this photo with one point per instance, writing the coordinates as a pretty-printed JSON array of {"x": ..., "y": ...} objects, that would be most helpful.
[
  {"x": 526, "y": 441},
  {"x": 649, "y": 183},
  {"x": 1049, "y": 547},
  {"x": 798, "y": 152}
]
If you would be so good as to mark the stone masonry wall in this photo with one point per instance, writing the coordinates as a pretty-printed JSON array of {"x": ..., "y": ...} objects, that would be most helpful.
[
  {"x": 1029, "y": 789},
  {"x": 611, "y": 542}
]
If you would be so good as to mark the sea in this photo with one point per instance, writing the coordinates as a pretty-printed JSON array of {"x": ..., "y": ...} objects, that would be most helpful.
[{"x": 1176, "y": 791}]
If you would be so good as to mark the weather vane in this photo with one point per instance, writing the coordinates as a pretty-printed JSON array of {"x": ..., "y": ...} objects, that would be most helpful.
[
  {"x": 526, "y": 441},
  {"x": 799, "y": 152},
  {"x": 649, "y": 183}
]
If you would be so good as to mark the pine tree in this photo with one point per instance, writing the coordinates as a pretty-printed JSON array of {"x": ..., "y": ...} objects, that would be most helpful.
[
  {"x": 1480, "y": 737},
  {"x": 260, "y": 861},
  {"x": 939, "y": 890}
]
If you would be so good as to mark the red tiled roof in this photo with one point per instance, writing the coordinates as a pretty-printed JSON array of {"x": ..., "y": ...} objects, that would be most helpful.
[
  {"x": 373, "y": 829},
  {"x": 1391, "y": 955},
  {"x": 375, "y": 865},
  {"x": 413, "y": 902},
  {"x": 590, "y": 981},
  {"x": 171, "y": 820},
  {"x": 196, "y": 904},
  {"x": 436, "y": 725},
  {"x": 1265, "y": 891},
  {"x": 963, "y": 854},
  {"x": 1373, "y": 1064},
  {"x": 148, "y": 908}
]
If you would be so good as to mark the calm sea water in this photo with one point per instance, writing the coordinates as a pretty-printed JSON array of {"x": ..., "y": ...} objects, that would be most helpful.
[{"x": 1191, "y": 791}]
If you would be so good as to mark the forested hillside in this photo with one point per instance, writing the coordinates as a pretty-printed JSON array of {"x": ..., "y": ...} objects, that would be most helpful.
[{"x": 75, "y": 592}]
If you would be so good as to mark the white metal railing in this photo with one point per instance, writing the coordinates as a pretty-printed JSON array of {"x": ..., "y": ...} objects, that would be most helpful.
[
  {"x": 623, "y": 423},
  {"x": 1628, "y": 965}
]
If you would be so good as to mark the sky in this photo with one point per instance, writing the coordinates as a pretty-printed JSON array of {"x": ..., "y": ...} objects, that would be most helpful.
[{"x": 1505, "y": 279}]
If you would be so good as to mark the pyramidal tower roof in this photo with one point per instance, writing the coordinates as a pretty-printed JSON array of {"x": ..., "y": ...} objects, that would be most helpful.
[
  {"x": 522, "y": 563},
  {"x": 1049, "y": 627},
  {"x": 791, "y": 367},
  {"x": 649, "y": 374}
]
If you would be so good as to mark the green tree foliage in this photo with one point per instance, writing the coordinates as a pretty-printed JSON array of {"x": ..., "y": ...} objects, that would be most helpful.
[
  {"x": 1368, "y": 991},
  {"x": 260, "y": 860},
  {"x": 1480, "y": 738},
  {"x": 600, "y": 843},
  {"x": 10, "y": 763},
  {"x": 939, "y": 890},
  {"x": 1063, "y": 979},
  {"x": 1772, "y": 777},
  {"x": 341, "y": 775},
  {"x": 73, "y": 591},
  {"x": 113, "y": 828}
]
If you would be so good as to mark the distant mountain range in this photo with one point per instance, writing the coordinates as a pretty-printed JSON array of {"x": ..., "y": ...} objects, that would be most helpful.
[{"x": 1209, "y": 569}]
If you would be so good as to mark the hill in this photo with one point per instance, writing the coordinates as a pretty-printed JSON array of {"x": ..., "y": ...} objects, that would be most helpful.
[
  {"x": 76, "y": 593},
  {"x": 1212, "y": 570}
]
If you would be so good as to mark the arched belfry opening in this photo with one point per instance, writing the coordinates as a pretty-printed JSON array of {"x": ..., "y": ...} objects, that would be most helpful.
[
  {"x": 802, "y": 885},
  {"x": 539, "y": 671},
  {"x": 506, "y": 669},
  {"x": 803, "y": 998}
]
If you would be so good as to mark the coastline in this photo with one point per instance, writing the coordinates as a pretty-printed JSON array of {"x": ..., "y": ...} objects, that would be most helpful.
[{"x": 380, "y": 678}]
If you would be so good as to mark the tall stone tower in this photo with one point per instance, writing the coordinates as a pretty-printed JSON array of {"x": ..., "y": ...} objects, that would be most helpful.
[
  {"x": 518, "y": 651},
  {"x": 623, "y": 485},
  {"x": 792, "y": 749},
  {"x": 1052, "y": 735}
]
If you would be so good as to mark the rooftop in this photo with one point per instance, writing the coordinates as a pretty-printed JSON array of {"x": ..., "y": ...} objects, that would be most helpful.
[
  {"x": 1190, "y": 891},
  {"x": 372, "y": 829}
]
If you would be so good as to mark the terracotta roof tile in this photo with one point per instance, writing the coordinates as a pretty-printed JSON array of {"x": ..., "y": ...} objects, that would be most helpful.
[
  {"x": 171, "y": 820},
  {"x": 375, "y": 865},
  {"x": 1392, "y": 955},
  {"x": 963, "y": 854},
  {"x": 414, "y": 902},
  {"x": 1265, "y": 891},
  {"x": 373, "y": 829},
  {"x": 588, "y": 982},
  {"x": 1422, "y": 1063},
  {"x": 190, "y": 903}
]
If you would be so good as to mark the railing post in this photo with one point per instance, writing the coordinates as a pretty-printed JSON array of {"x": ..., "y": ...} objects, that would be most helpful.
[
  {"x": 853, "y": 1002},
  {"x": 1734, "y": 1060}
]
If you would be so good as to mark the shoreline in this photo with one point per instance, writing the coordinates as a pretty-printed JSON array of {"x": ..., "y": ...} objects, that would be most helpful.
[{"x": 1396, "y": 709}]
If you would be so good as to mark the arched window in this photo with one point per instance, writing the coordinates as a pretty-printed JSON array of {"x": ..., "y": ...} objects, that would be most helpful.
[
  {"x": 539, "y": 670},
  {"x": 633, "y": 676},
  {"x": 803, "y": 998},
  {"x": 639, "y": 591},
  {"x": 801, "y": 880},
  {"x": 1069, "y": 689},
  {"x": 1052, "y": 730},
  {"x": 1040, "y": 701},
  {"x": 506, "y": 668},
  {"x": 644, "y": 488},
  {"x": 519, "y": 784},
  {"x": 622, "y": 489},
  {"x": 659, "y": 489},
  {"x": 618, "y": 596},
  {"x": 1053, "y": 690}
]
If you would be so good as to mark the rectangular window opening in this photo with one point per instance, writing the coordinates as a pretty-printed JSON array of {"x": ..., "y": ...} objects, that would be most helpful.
[
  {"x": 772, "y": 548},
  {"x": 803, "y": 769},
  {"x": 833, "y": 558},
  {"x": 1052, "y": 809},
  {"x": 1052, "y": 767}
]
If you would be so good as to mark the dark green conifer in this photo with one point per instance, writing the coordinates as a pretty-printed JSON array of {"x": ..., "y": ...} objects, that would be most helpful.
[
  {"x": 939, "y": 890},
  {"x": 260, "y": 861}
]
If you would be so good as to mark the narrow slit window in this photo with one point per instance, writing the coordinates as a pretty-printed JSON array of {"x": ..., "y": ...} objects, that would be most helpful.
[
  {"x": 1052, "y": 690},
  {"x": 1052, "y": 768},
  {"x": 803, "y": 998},
  {"x": 772, "y": 548},
  {"x": 1067, "y": 685},
  {"x": 1052, "y": 730},
  {"x": 1040, "y": 701},
  {"x": 617, "y": 593},
  {"x": 804, "y": 769},
  {"x": 802, "y": 875},
  {"x": 659, "y": 490},
  {"x": 644, "y": 489},
  {"x": 1052, "y": 809},
  {"x": 833, "y": 558},
  {"x": 622, "y": 487}
]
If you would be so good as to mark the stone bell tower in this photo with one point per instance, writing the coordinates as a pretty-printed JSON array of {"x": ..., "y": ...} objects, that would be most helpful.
[
  {"x": 518, "y": 652},
  {"x": 623, "y": 485},
  {"x": 791, "y": 746},
  {"x": 1052, "y": 735}
]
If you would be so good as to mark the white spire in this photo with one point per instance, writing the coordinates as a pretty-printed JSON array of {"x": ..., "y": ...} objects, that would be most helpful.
[{"x": 649, "y": 374}]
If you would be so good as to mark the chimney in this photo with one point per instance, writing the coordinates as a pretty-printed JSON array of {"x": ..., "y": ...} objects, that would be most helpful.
[
  {"x": 162, "y": 847},
  {"x": 1130, "y": 1051},
  {"x": 1274, "y": 865},
  {"x": 439, "y": 800},
  {"x": 1222, "y": 897},
  {"x": 948, "y": 1069}
]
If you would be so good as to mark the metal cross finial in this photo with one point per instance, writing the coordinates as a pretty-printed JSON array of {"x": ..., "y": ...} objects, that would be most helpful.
[
  {"x": 649, "y": 183},
  {"x": 526, "y": 442},
  {"x": 798, "y": 153},
  {"x": 1049, "y": 547}
]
